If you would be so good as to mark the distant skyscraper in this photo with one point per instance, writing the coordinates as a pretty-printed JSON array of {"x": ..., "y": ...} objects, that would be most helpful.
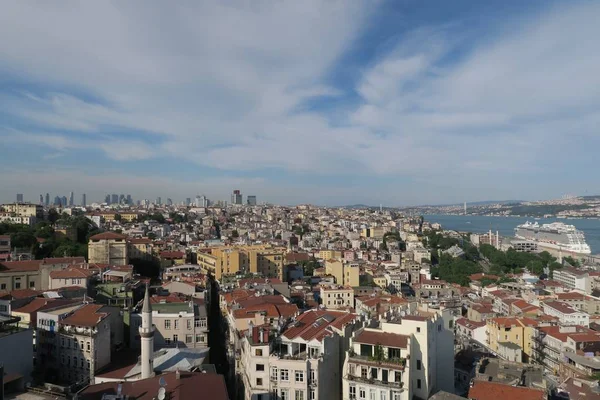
[
  {"x": 169, "y": 202},
  {"x": 71, "y": 199},
  {"x": 47, "y": 199},
  {"x": 465, "y": 208},
  {"x": 114, "y": 199},
  {"x": 251, "y": 200},
  {"x": 121, "y": 199},
  {"x": 57, "y": 201},
  {"x": 83, "y": 200},
  {"x": 63, "y": 201},
  {"x": 107, "y": 199},
  {"x": 158, "y": 201},
  {"x": 41, "y": 200},
  {"x": 19, "y": 197},
  {"x": 236, "y": 197},
  {"x": 129, "y": 200},
  {"x": 188, "y": 201}
]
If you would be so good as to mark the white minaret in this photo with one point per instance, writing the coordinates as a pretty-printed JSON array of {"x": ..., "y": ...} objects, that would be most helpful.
[{"x": 147, "y": 338}]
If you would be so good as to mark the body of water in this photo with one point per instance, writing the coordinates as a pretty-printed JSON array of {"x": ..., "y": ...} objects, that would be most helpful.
[{"x": 506, "y": 225}]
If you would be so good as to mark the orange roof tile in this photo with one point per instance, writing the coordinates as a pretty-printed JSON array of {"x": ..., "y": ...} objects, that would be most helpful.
[{"x": 482, "y": 390}]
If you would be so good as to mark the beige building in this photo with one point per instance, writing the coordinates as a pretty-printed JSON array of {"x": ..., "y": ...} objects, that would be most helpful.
[
  {"x": 177, "y": 325},
  {"x": 231, "y": 260},
  {"x": 70, "y": 277},
  {"x": 345, "y": 274},
  {"x": 108, "y": 248},
  {"x": 24, "y": 210},
  {"x": 32, "y": 274},
  {"x": 140, "y": 248},
  {"x": 337, "y": 297}
]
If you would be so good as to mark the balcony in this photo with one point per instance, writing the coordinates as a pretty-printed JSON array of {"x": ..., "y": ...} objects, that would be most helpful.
[
  {"x": 394, "y": 363},
  {"x": 371, "y": 381}
]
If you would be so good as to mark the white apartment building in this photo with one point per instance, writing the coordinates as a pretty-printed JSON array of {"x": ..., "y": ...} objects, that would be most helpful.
[
  {"x": 303, "y": 363},
  {"x": 73, "y": 342},
  {"x": 566, "y": 314},
  {"x": 574, "y": 279},
  {"x": 402, "y": 357},
  {"x": 177, "y": 325},
  {"x": 336, "y": 297}
]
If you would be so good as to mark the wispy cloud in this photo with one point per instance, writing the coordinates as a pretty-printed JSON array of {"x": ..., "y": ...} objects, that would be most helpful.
[{"x": 231, "y": 86}]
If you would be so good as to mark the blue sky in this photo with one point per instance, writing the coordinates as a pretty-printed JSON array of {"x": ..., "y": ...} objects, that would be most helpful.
[{"x": 322, "y": 101}]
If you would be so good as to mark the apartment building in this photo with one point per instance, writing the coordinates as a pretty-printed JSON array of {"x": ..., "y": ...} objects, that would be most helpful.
[
  {"x": 346, "y": 274},
  {"x": 140, "y": 248},
  {"x": 566, "y": 314},
  {"x": 108, "y": 248},
  {"x": 4, "y": 247},
  {"x": 574, "y": 278},
  {"x": 73, "y": 342},
  {"x": 402, "y": 358},
  {"x": 231, "y": 260},
  {"x": 70, "y": 277},
  {"x": 337, "y": 297},
  {"x": 17, "y": 353},
  {"x": 32, "y": 274},
  {"x": 303, "y": 363},
  {"x": 24, "y": 210},
  {"x": 181, "y": 324}
]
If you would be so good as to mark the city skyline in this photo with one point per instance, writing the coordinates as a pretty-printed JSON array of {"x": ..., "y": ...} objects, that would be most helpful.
[{"x": 330, "y": 103}]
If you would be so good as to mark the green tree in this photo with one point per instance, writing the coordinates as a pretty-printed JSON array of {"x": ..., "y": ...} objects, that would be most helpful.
[
  {"x": 53, "y": 215},
  {"x": 571, "y": 261},
  {"x": 151, "y": 235},
  {"x": 383, "y": 247},
  {"x": 536, "y": 267},
  {"x": 118, "y": 217}
]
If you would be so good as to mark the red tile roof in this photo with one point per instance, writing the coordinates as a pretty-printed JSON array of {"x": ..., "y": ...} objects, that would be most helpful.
[
  {"x": 86, "y": 316},
  {"x": 19, "y": 294},
  {"x": 21, "y": 266},
  {"x": 69, "y": 273},
  {"x": 382, "y": 338},
  {"x": 316, "y": 324},
  {"x": 561, "y": 307},
  {"x": 190, "y": 385},
  {"x": 108, "y": 236},
  {"x": 172, "y": 255},
  {"x": 482, "y": 390}
]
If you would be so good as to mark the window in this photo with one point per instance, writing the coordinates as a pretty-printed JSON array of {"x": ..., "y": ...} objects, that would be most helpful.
[
  {"x": 372, "y": 394},
  {"x": 384, "y": 375},
  {"x": 418, "y": 365},
  {"x": 396, "y": 396},
  {"x": 260, "y": 367},
  {"x": 313, "y": 375},
  {"x": 418, "y": 384},
  {"x": 3, "y": 286},
  {"x": 439, "y": 327},
  {"x": 62, "y": 359},
  {"x": 299, "y": 376},
  {"x": 283, "y": 394},
  {"x": 383, "y": 395},
  {"x": 31, "y": 284},
  {"x": 299, "y": 395},
  {"x": 17, "y": 285},
  {"x": 312, "y": 394},
  {"x": 418, "y": 329},
  {"x": 285, "y": 375},
  {"x": 352, "y": 392},
  {"x": 259, "y": 381},
  {"x": 189, "y": 324},
  {"x": 88, "y": 364},
  {"x": 175, "y": 339},
  {"x": 374, "y": 373},
  {"x": 88, "y": 346},
  {"x": 176, "y": 324},
  {"x": 362, "y": 393},
  {"x": 274, "y": 373},
  {"x": 82, "y": 363},
  {"x": 189, "y": 339},
  {"x": 81, "y": 345},
  {"x": 363, "y": 372},
  {"x": 167, "y": 341},
  {"x": 167, "y": 324},
  {"x": 62, "y": 341},
  {"x": 74, "y": 361},
  {"x": 258, "y": 352}
]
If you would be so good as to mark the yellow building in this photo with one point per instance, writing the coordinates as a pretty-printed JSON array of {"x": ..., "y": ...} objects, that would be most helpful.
[
  {"x": 345, "y": 274},
  {"x": 108, "y": 248},
  {"x": 380, "y": 281},
  {"x": 519, "y": 331},
  {"x": 230, "y": 260},
  {"x": 330, "y": 255},
  {"x": 24, "y": 210},
  {"x": 128, "y": 216}
]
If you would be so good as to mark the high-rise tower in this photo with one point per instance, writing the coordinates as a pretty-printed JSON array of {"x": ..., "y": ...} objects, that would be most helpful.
[{"x": 147, "y": 338}]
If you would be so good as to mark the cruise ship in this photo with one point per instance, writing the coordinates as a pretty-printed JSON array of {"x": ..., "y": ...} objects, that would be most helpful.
[{"x": 556, "y": 236}]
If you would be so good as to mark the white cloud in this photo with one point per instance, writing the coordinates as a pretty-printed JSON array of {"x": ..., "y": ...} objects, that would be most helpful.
[{"x": 223, "y": 84}]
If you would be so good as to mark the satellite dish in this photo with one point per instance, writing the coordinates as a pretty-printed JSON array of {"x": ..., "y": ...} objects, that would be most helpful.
[
  {"x": 161, "y": 393},
  {"x": 161, "y": 382}
]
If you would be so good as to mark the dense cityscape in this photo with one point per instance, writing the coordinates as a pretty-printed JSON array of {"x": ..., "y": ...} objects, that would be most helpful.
[
  {"x": 251, "y": 301},
  {"x": 300, "y": 200}
]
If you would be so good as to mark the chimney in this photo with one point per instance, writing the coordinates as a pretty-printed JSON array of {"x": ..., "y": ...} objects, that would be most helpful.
[
  {"x": 255, "y": 336},
  {"x": 266, "y": 336},
  {"x": 177, "y": 375}
]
